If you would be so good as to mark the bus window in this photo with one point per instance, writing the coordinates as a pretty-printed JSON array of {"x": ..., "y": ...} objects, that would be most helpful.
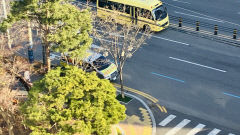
[
  {"x": 109, "y": 5},
  {"x": 145, "y": 13},
  {"x": 148, "y": 14},
  {"x": 102, "y": 3},
  {"x": 120, "y": 7},
  {"x": 115, "y": 6},
  {"x": 127, "y": 9}
]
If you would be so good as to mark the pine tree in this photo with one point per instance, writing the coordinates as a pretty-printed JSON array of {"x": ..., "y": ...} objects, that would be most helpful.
[{"x": 71, "y": 101}]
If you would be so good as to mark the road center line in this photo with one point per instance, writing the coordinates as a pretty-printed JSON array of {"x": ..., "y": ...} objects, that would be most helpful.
[
  {"x": 228, "y": 94},
  {"x": 199, "y": 17},
  {"x": 197, "y": 64},
  {"x": 167, "y": 77}
]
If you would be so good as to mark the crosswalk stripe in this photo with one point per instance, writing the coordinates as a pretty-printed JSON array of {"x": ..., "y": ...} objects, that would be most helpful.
[
  {"x": 196, "y": 129},
  {"x": 231, "y": 134},
  {"x": 167, "y": 120},
  {"x": 178, "y": 127},
  {"x": 214, "y": 131}
]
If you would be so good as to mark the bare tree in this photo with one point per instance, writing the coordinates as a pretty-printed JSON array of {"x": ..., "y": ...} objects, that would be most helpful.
[
  {"x": 120, "y": 41},
  {"x": 11, "y": 67}
]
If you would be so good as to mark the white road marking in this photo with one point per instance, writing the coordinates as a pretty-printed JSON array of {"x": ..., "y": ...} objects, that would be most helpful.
[
  {"x": 174, "y": 130},
  {"x": 200, "y": 17},
  {"x": 231, "y": 134},
  {"x": 182, "y": 1},
  {"x": 197, "y": 64},
  {"x": 196, "y": 129},
  {"x": 238, "y": 13},
  {"x": 170, "y": 40},
  {"x": 167, "y": 120},
  {"x": 214, "y": 131},
  {"x": 154, "y": 37}
]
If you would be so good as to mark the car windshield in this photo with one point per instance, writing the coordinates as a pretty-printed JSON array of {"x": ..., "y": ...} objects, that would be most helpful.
[
  {"x": 160, "y": 12},
  {"x": 101, "y": 63}
]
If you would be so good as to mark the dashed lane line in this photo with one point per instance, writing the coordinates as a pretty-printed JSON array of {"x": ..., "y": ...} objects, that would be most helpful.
[
  {"x": 197, "y": 64},
  {"x": 168, "y": 39}
]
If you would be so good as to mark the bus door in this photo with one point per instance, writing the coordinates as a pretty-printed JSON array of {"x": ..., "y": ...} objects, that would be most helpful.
[{"x": 134, "y": 15}]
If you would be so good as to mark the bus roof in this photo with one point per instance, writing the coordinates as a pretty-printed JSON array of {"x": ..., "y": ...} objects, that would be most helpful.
[{"x": 146, "y": 4}]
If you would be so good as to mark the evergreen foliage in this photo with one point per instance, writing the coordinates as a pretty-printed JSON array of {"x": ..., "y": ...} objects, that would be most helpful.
[{"x": 70, "y": 101}]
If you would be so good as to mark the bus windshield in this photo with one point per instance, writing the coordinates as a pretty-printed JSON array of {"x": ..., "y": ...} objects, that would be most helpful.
[{"x": 160, "y": 13}]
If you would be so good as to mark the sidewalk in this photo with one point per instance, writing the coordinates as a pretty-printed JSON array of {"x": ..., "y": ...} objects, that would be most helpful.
[{"x": 139, "y": 119}]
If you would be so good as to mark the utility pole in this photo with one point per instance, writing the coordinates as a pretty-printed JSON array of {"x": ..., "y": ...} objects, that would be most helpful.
[{"x": 5, "y": 16}]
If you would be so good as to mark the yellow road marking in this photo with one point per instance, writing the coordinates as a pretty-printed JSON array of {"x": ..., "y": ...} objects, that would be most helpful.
[
  {"x": 165, "y": 110},
  {"x": 138, "y": 92},
  {"x": 154, "y": 100},
  {"x": 160, "y": 108}
]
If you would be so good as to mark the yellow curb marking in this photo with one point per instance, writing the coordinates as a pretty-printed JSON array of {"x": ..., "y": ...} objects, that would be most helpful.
[
  {"x": 154, "y": 100},
  {"x": 165, "y": 110},
  {"x": 160, "y": 108}
]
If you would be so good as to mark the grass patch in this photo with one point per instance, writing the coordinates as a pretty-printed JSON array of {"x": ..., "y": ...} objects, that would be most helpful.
[{"x": 124, "y": 100}]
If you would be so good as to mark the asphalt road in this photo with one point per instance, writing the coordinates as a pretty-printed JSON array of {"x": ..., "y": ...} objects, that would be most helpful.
[{"x": 192, "y": 75}]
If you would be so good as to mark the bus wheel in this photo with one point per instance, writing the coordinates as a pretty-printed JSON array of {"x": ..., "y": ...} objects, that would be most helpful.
[{"x": 146, "y": 28}]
